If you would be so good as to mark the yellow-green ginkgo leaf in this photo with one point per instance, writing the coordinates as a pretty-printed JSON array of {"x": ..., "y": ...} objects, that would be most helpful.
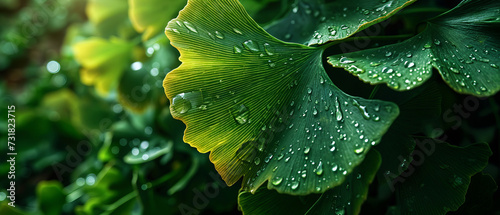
[
  {"x": 265, "y": 109},
  {"x": 103, "y": 61},
  {"x": 151, "y": 16},
  {"x": 108, "y": 15}
]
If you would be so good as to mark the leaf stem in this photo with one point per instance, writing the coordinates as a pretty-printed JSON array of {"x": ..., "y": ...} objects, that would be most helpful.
[{"x": 374, "y": 91}]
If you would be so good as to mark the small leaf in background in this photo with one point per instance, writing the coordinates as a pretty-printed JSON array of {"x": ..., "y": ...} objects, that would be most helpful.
[
  {"x": 437, "y": 180},
  {"x": 265, "y": 109},
  {"x": 107, "y": 16},
  {"x": 314, "y": 22},
  {"x": 148, "y": 151},
  {"x": 103, "y": 61},
  {"x": 50, "y": 197},
  {"x": 463, "y": 44},
  {"x": 344, "y": 199},
  {"x": 151, "y": 16}
]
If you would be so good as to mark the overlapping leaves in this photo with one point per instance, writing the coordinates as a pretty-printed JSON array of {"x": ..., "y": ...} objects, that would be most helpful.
[
  {"x": 463, "y": 44},
  {"x": 313, "y": 22},
  {"x": 265, "y": 109}
]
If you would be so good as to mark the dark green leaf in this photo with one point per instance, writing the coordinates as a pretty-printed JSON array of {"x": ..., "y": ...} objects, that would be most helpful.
[{"x": 463, "y": 44}]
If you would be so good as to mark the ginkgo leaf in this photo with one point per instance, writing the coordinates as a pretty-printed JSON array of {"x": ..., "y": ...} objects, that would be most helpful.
[
  {"x": 265, "y": 109},
  {"x": 107, "y": 16},
  {"x": 313, "y": 22},
  {"x": 463, "y": 44},
  {"x": 437, "y": 180},
  {"x": 344, "y": 199},
  {"x": 150, "y": 16},
  {"x": 103, "y": 61}
]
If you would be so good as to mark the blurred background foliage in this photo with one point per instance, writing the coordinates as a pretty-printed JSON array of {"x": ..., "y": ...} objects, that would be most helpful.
[{"x": 94, "y": 133}]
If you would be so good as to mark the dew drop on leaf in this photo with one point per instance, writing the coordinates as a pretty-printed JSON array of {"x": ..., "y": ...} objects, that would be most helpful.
[
  {"x": 180, "y": 105},
  {"x": 294, "y": 185},
  {"x": 276, "y": 181},
  {"x": 240, "y": 114},
  {"x": 250, "y": 45},
  {"x": 219, "y": 35}
]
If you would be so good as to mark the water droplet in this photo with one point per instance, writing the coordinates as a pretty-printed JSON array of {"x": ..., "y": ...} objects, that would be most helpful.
[
  {"x": 268, "y": 49},
  {"x": 276, "y": 181},
  {"x": 437, "y": 42},
  {"x": 427, "y": 46},
  {"x": 307, "y": 149},
  {"x": 319, "y": 169},
  {"x": 454, "y": 70},
  {"x": 335, "y": 168},
  {"x": 180, "y": 105},
  {"x": 337, "y": 110},
  {"x": 250, "y": 45},
  {"x": 374, "y": 64},
  {"x": 219, "y": 35},
  {"x": 236, "y": 50},
  {"x": 303, "y": 174},
  {"x": 359, "y": 149},
  {"x": 237, "y": 31},
  {"x": 494, "y": 66},
  {"x": 315, "y": 111},
  {"x": 294, "y": 185},
  {"x": 240, "y": 114},
  {"x": 346, "y": 60},
  {"x": 321, "y": 80},
  {"x": 309, "y": 90},
  {"x": 190, "y": 27},
  {"x": 362, "y": 109},
  {"x": 256, "y": 160},
  {"x": 388, "y": 54}
]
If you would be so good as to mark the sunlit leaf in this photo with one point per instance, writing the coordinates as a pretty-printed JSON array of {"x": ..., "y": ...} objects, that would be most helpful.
[
  {"x": 344, "y": 199},
  {"x": 151, "y": 16},
  {"x": 463, "y": 44},
  {"x": 103, "y": 61},
  {"x": 437, "y": 180},
  {"x": 265, "y": 109},
  {"x": 318, "y": 21}
]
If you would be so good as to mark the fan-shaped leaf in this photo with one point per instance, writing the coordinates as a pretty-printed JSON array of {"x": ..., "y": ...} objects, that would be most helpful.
[
  {"x": 265, "y": 109},
  {"x": 463, "y": 44}
]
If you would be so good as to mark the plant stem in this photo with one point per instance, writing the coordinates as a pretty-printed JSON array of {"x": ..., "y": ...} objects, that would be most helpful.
[{"x": 374, "y": 91}]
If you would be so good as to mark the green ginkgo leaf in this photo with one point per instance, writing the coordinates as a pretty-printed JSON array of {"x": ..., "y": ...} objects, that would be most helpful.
[
  {"x": 344, "y": 199},
  {"x": 463, "y": 44},
  {"x": 437, "y": 180},
  {"x": 150, "y": 16},
  {"x": 316, "y": 21},
  {"x": 265, "y": 109}
]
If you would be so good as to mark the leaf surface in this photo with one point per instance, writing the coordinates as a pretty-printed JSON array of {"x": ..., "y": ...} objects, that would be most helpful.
[
  {"x": 314, "y": 22},
  {"x": 265, "y": 109},
  {"x": 463, "y": 44}
]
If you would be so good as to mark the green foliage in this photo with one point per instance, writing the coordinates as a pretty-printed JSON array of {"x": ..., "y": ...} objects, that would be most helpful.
[{"x": 115, "y": 117}]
